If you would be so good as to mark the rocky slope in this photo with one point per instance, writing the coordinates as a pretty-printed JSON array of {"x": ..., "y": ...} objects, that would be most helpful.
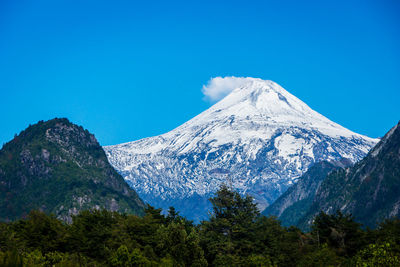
[
  {"x": 259, "y": 139},
  {"x": 60, "y": 168},
  {"x": 370, "y": 190},
  {"x": 292, "y": 205}
]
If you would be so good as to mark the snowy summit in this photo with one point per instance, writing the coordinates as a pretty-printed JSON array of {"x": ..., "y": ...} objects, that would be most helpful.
[{"x": 259, "y": 138}]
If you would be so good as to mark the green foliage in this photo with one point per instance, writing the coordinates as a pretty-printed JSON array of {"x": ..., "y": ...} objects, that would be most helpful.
[
  {"x": 369, "y": 190},
  {"x": 389, "y": 230},
  {"x": 184, "y": 248},
  {"x": 37, "y": 259},
  {"x": 90, "y": 231},
  {"x": 230, "y": 231},
  {"x": 11, "y": 259},
  {"x": 378, "y": 255},
  {"x": 321, "y": 256},
  {"x": 288, "y": 206},
  {"x": 8, "y": 240},
  {"x": 123, "y": 258},
  {"x": 235, "y": 235},
  {"x": 338, "y": 231},
  {"x": 60, "y": 168},
  {"x": 259, "y": 260},
  {"x": 43, "y": 232}
]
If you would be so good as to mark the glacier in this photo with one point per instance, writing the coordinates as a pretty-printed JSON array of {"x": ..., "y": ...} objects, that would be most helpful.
[{"x": 258, "y": 139}]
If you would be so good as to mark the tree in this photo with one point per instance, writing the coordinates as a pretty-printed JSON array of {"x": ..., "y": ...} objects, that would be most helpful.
[
  {"x": 173, "y": 215},
  {"x": 183, "y": 247},
  {"x": 230, "y": 232},
  {"x": 11, "y": 259},
  {"x": 377, "y": 255},
  {"x": 339, "y": 231},
  {"x": 321, "y": 256},
  {"x": 123, "y": 258},
  {"x": 90, "y": 232},
  {"x": 41, "y": 231},
  {"x": 388, "y": 231}
]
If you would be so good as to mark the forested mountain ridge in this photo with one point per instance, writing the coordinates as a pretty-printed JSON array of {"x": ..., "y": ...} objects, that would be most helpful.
[
  {"x": 370, "y": 190},
  {"x": 292, "y": 205},
  {"x": 234, "y": 235},
  {"x": 60, "y": 168}
]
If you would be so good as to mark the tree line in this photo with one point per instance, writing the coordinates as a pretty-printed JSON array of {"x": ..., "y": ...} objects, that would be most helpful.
[{"x": 234, "y": 235}]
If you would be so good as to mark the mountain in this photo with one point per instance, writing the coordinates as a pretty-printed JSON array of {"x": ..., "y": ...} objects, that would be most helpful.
[
  {"x": 370, "y": 190},
  {"x": 292, "y": 205},
  {"x": 259, "y": 139},
  {"x": 60, "y": 168}
]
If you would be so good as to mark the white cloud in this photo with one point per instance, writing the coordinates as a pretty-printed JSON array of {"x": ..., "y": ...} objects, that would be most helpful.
[{"x": 218, "y": 87}]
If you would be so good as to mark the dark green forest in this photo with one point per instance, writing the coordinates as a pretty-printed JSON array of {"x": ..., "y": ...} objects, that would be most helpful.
[
  {"x": 60, "y": 167},
  {"x": 234, "y": 235}
]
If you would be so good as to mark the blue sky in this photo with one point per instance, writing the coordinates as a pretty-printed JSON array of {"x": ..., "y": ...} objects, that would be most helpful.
[{"x": 132, "y": 69}]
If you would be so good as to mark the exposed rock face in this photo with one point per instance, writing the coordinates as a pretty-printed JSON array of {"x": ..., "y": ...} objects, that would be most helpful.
[
  {"x": 60, "y": 168},
  {"x": 259, "y": 139},
  {"x": 370, "y": 190}
]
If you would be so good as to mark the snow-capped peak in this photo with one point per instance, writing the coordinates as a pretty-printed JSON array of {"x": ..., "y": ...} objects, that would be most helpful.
[
  {"x": 255, "y": 110},
  {"x": 263, "y": 98},
  {"x": 259, "y": 136}
]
